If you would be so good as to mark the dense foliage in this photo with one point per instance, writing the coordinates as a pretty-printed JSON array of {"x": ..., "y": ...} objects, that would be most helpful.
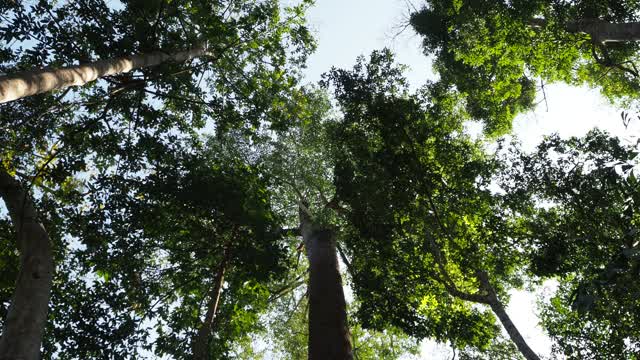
[
  {"x": 176, "y": 196},
  {"x": 499, "y": 54},
  {"x": 586, "y": 237}
]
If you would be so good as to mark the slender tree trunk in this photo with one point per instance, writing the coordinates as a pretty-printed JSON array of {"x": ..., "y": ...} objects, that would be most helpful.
[
  {"x": 495, "y": 304},
  {"x": 27, "y": 316},
  {"x": 201, "y": 342},
  {"x": 512, "y": 330},
  {"x": 329, "y": 336},
  {"x": 16, "y": 86}
]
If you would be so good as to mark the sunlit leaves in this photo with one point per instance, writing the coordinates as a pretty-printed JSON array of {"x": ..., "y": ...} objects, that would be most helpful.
[{"x": 498, "y": 55}]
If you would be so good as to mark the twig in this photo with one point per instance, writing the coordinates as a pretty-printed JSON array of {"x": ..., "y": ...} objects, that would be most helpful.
[{"x": 544, "y": 95}]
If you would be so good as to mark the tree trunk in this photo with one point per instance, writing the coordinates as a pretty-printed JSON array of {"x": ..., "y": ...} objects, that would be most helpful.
[
  {"x": 16, "y": 86},
  {"x": 329, "y": 336},
  {"x": 512, "y": 330},
  {"x": 603, "y": 31},
  {"x": 27, "y": 316},
  {"x": 201, "y": 342},
  {"x": 495, "y": 304}
]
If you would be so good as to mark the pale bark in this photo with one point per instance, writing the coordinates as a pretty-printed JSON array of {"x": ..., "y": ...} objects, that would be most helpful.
[
  {"x": 512, "y": 330},
  {"x": 604, "y": 31},
  {"x": 600, "y": 31},
  {"x": 19, "y": 85},
  {"x": 27, "y": 316},
  {"x": 495, "y": 304},
  {"x": 329, "y": 336},
  {"x": 201, "y": 342}
]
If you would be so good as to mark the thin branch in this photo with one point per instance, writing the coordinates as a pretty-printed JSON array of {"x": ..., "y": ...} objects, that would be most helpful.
[
  {"x": 544, "y": 94},
  {"x": 289, "y": 287},
  {"x": 345, "y": 260},
  {"x": 608, "y": 63}
]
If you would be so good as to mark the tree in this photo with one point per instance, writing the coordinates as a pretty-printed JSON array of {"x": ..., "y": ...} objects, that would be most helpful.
[
  {"x": 329, "y": 336},
  {"x": 27, "y": 314},
  {"x": 426, "y": 236},
  {"x": 288, "y": 330},
  {"x": 160, "y": 247},
  {"x": 111, "y": 130},
  {"x": 16, "y": 86},
  {"x": 585, "y": 237},
  {"x": 298, "y": 158},
  {"x": 495, "y": 53}
]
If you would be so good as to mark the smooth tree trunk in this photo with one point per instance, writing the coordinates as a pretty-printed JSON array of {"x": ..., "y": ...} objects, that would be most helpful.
[
  {"x": 512, "y": 330},
  {"x": 604, "y": 31},
  {"x": 498, "y": 309},
  {"x": 201, "y": 342},
  {"x": 27, "y": 315},
  {"x": 329, "y": 336},
  {"x": 601, "y": 31},
  {"x": 23, "y": 84}
]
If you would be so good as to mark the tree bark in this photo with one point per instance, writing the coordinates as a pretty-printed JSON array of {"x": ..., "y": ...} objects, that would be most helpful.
[
  {"x": 329, "y": 336},
  {"x": 603, "y": 31},
  {"x": 27, "y": 316},
  {"x": 200, "y": 344},
  {"x": 498, "y": 309},
  {"x": 16, "y": 86}
]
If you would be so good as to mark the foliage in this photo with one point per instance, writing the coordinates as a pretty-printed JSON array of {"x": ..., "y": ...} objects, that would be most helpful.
[
  {"x": 496, "y": 52},
  {"x": 141, "y": 211},
  {"x": 582, "y": 230},
  {"x": 421, "y": 219},
  {"x": 499, "y": 349}
]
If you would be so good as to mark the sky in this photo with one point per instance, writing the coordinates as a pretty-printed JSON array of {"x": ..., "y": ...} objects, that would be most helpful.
[{"x": 346, "y": 29}]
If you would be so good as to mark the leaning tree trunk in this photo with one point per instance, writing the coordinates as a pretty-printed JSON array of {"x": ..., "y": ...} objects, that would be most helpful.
[
  {"x": 19, "y": 85},
  {"x": 200, "y": 344},
  {"x": 512, "y": 330},
  {"x": 27, "y": 316},
  {"x": 603, "y": 31},
  {"x": 495, "y": 304},
  {"x": 329, "y": 336}
]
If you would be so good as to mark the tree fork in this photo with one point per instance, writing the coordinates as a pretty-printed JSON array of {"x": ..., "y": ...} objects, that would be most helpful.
[
  {"x": 27, "y": 315},
  {"x": 27, "y": 83}
]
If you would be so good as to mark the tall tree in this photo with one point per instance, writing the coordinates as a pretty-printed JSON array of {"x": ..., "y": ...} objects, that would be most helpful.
[
  {"x": 27, "y": 314},
  {"x": 110, "y": 131},
  {"x": 498, "y": 54},
  {"x": 299, "y": 160},
  {"x": 329, "y": 336},
  {"x": 427, "y": 238},
  {"x": 19, "y": 85}
]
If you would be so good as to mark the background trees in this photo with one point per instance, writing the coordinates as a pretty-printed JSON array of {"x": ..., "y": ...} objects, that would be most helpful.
[
  {"x": 500, "y": 54},
  {"x": 427, "y": 238},
  {"x": 585, "y": 237},
  {"x": 103, "y": 139}
]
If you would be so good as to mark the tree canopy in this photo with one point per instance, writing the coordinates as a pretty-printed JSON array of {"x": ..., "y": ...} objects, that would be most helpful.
[
  {"x": 500, "y": 54},
  {"x": 216, "y": 207}
]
